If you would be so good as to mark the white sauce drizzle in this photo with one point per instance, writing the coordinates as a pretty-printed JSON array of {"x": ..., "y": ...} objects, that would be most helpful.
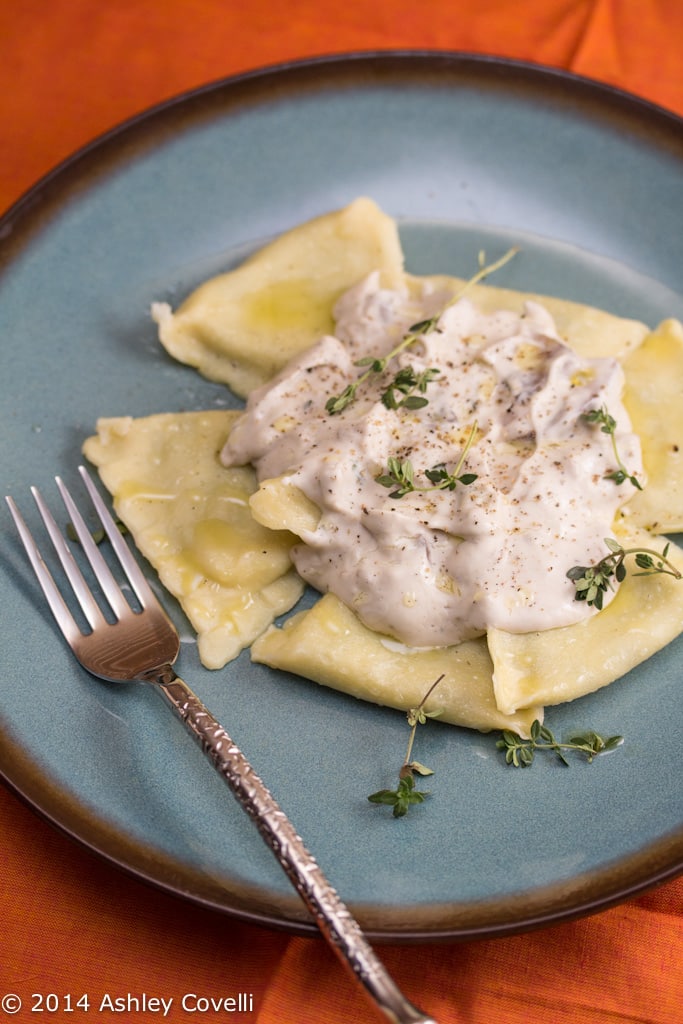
[{"x": 434, "y": 568}]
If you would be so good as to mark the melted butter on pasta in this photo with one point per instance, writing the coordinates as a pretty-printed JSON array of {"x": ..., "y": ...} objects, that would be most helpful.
[{"x": 241, "y": 327}]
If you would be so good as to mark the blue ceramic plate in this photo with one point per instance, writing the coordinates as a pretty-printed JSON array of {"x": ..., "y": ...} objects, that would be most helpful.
[{"x": 468, "y": 153}]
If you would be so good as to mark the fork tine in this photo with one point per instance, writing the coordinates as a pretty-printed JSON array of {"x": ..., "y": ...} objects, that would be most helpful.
[
  {"x": 103, "y": 574},
  {"x": 57, "y": 604},
  {"x": 136, "y": 577},
  {"x": 88, "y": 605}
]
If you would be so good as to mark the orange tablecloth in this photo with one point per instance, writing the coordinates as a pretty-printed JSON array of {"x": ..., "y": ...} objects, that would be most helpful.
[{"x": 71, "y": 925}]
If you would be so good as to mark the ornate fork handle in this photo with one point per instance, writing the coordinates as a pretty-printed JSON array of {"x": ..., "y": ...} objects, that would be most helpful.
[{"x": 331, "y": 915}]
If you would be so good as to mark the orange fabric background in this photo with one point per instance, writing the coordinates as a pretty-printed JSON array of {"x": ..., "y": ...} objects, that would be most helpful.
[{"x": 69, "y": 70}]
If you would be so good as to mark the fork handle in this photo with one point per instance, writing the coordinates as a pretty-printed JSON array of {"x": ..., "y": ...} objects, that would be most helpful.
[{"x": 331, "y": 915}]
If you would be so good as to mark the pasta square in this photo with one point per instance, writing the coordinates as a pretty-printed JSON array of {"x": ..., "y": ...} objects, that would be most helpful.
[{"x": 190, "y": 518}]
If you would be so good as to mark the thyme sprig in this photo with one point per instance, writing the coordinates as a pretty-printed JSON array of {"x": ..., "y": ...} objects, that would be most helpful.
[
  {"x": 520, "y": 752},
  {"x": 375, "y": 365},
  {"x": 608, "y": 425},
  {"x": 593, "y": 581},
  {"x": 407, "y": 383},
  {"x": 405, "y": 795},
  {"x": 378, "y": 364},
  {"x": 400, "y": 474}
]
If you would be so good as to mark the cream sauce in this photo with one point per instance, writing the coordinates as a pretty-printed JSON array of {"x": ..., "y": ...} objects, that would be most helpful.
[{"x": 436, "y": 567}]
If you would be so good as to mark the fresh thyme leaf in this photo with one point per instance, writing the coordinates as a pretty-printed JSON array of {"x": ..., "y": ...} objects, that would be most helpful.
[
  {"x": 591, "y": 582},
  {"x": 400, "y": 474},
  {"x": 406, "y": 383},
  {"x": 401, "y": 798},
  {"x": 424, "y": 326},
  {"x": 375, "y": 364},
  {"x": 440, "y": 476},
  {"x": 608, "y": 425},
  {"x": 520, "y": 752},
  {"x": 337, "y": 403}
]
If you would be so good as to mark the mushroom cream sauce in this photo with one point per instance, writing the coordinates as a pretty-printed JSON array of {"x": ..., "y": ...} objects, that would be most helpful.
[{"x": 436, "y": 567}]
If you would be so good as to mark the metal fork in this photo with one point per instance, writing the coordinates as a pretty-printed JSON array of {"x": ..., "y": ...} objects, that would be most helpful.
[{"x": 142, "y": 645}]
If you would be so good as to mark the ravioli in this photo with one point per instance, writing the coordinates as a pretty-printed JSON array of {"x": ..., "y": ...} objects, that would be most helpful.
[
  {"x": 190, "y": 518},
  {"x": 559, "y": 665},
  {"x": 330, "y": 645},
  {"x": 589, "y": 331},
  {"x": 221, "y": 544},
  {"x": 241, "y": 327},
  {"x": 653, "y": 396}
]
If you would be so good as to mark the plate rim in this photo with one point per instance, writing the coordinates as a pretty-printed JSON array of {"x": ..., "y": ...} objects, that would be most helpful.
[
  {"x": 584, "y": 894},
  {"x": 651, "y": 117},
  {"x": 581, "y": 895}
]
